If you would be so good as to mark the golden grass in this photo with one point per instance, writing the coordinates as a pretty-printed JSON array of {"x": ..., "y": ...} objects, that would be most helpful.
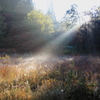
[{"x": 30, "y": 78}]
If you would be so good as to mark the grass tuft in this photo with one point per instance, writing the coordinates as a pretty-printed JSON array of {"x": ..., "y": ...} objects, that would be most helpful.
[{"x": 62, "y": 78}]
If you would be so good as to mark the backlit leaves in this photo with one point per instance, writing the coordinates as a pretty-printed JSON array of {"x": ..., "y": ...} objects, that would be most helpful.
[{"x": 40, "y": 21}]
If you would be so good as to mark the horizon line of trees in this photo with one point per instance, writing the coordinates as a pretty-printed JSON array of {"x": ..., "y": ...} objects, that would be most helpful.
[
  {"x": 22, "y": 27},
  {"x": 87, "y": 37},
  {"x": 25, "y": 29}
]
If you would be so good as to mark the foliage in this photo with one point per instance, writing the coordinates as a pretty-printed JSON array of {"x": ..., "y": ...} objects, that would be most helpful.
[
  {"x": 40, "y": 21},
  {"x": 24, "y": 7},
  {"x": 9, "y": 5},
  {"x": 24, "y": 26},
  {"x": 88, "y": 34},
  {"x": 25, "y": 78},
  {"x": 71, "y": 16},
  {"x": 50, "y": 12},
  {"x": 2, "y": 29},
  {"x": 32, "y": 32},
  {"x": 86, "y": 38},
  {"x": 13, "y": 12}
]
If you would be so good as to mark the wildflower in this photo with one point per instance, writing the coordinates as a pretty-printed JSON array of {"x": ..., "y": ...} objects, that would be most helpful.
[
  {"x": 15, "y": 80},
  {"x": 24, "y": 74},
  {"x": 95, "y": 89},
  {"x": 20, "y": 58},
  {"x": 29, "y": 96},
  {"x": 7, "y": 56},
  {"x": 26, "y": 82},
  {"x": 62, "y": 90},
  {"x": 5, "y": 84}
]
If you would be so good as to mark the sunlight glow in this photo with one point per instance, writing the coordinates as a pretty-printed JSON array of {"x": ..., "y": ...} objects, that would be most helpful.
[
  {"x": 84, "y": 19},
  {"x": 60, "y": 6},
  {"x": 53, "y": 46}
]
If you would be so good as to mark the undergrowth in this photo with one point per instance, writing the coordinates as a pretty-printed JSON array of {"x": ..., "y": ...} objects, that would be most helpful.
[{"x": 29, "y": 78}]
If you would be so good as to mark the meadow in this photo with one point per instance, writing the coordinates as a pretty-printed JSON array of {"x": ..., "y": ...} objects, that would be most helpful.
[{"x": 30, "y": 77}]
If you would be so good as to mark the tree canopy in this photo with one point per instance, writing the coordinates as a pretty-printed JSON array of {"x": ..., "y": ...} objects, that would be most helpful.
[
  {"x": 25, "y": 28},
  {"x": 40, "y": 21}
]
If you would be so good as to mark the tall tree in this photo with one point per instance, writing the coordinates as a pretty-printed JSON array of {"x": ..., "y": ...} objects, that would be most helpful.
[
  {"x": 8, "y": 8},
  {"x": 87, "y": 38},
  {"x": 9, "y": 5},
  {"x": 71, "y": 16},
  {"x": 2, "y": 29},
  {"x": 94, "y": 14},
  {"x": 50, "y": 11},
  {"x": 31, "y": 33}
]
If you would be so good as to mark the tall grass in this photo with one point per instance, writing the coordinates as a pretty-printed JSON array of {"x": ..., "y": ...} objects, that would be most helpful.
[{"x": 62, "y": 78}]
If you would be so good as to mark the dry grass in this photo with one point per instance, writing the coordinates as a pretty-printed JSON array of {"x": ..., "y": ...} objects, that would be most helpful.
[{"x": 40, "y": 78}]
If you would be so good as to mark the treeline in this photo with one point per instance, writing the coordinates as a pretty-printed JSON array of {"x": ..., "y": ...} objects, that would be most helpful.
[
  {"x": 22, "y": 27},
  {"x": 87, "y": 36}
]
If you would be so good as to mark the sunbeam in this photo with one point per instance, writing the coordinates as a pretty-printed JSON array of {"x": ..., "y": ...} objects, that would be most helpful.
[{"x": 51, "y": 48}]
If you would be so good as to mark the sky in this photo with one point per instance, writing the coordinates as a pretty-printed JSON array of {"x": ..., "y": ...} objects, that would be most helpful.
[{"x": 60, "y": 6}]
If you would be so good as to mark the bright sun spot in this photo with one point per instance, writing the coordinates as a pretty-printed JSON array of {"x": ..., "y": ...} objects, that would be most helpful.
[
  {"x": 83, "y": 20},
  {"x": 60, "y": 6}
]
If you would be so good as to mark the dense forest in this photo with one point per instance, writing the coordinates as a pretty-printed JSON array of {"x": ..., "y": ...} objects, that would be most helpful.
[
  {"x": 22, "y": 28},
  {"x": 26, "y": 29}
]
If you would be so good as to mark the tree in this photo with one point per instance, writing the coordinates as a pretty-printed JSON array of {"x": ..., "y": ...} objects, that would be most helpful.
[
  {"x": 14, "y": 11},
  {"x": 50, "y": 11},
  {"x": 40, "y": 21},
  {"x": 94, "y": 14},
  {"x": 7, "y": 12},
  {"x": 71, "y": 16},
  {"x": 87, "y": 37},
  {"x": 95, "y": 19},
  {"x": 2, "y": 29},
  {"x": 24, "y": 7},
  {"x": 8, "y": 6},
  {"x": 32, "y": 33}
]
